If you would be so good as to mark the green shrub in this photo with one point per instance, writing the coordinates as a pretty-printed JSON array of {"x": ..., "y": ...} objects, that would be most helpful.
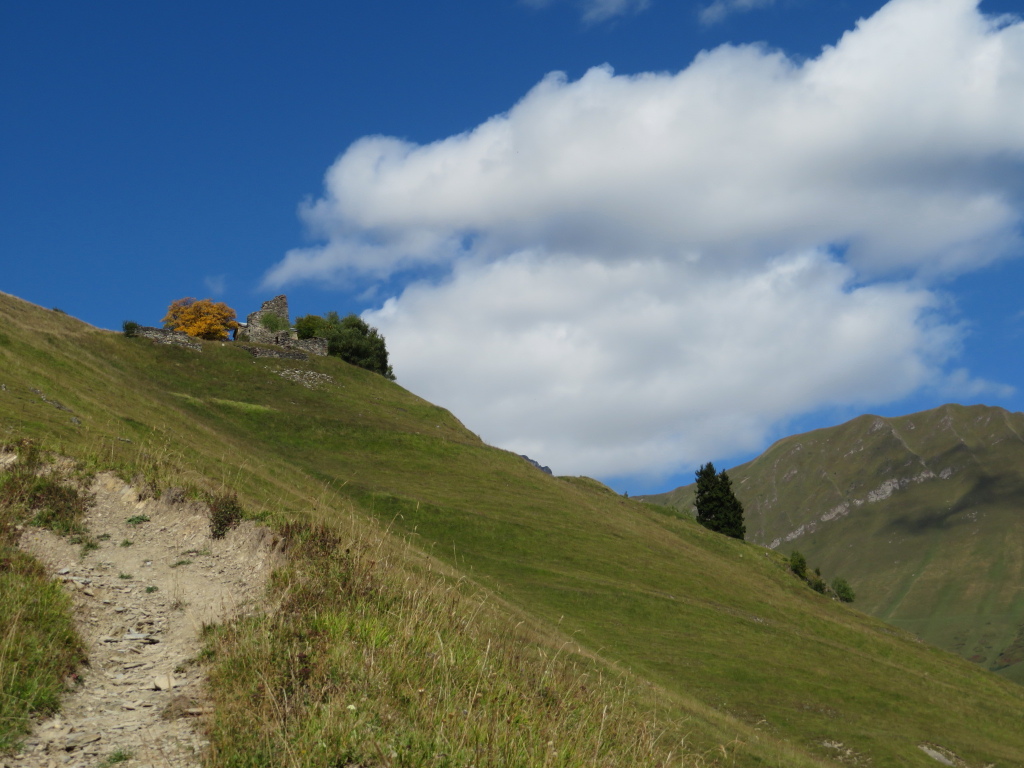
[
  {"x": 274, "y": 322},
  {"x": 309, "y": 326},
  {"x": 225, "y": 513},
  {"x": 798, "y": 564},
  {"x": 349, "y": 338},
  {"x": 818, "y": 585},
  {"x": 130, "y": 328},
  {"x": 843, "y": 590}
]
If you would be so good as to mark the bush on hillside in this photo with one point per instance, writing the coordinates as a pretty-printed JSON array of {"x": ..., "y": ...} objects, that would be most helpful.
[
  {"x": 201, "y": 318},
  {"x": 225, "y": 513},
  {"x": 843, "y": 590},
  {"x": 798, "y": 564},
  {"x": 274, "y": 322},
  {"x": 311, "y": 326},
  {"x": 130, "y": 328},
  {"x": 349, "y": 338}
]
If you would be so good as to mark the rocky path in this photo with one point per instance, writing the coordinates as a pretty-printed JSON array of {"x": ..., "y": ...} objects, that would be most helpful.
[{"x": 141, "y": 600}]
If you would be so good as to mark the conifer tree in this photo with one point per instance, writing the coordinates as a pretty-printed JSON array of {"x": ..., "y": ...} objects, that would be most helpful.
[{"x": 718, "y": 509}]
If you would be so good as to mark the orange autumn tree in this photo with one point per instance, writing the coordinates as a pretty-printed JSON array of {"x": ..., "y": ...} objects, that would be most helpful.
[{"x": 201, "y": 318}]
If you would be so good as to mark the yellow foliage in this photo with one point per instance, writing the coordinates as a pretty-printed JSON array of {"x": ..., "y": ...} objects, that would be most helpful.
[{"x": 201, "y": 318}]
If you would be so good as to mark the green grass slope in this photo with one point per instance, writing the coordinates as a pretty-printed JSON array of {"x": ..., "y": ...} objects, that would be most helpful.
[
  {"x": 923, "y": 514},
  {"x": 736, "y": 651}
]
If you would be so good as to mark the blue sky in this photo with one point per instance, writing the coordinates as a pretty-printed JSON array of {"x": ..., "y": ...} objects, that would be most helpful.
[{"x": 720, "y": 224}]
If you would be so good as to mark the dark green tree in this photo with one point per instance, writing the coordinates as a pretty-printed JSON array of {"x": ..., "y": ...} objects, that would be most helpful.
[
  {"x": 798, "y": 564},
  {"x": 717, "y": 506},
  {"x": 843, "y": 590},
  {"x": 349, "y": 338},
  {"x": 310, "y": 326}
]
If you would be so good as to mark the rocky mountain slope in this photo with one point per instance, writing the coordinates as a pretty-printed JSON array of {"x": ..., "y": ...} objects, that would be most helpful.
[{"x": 923, "y": 514}]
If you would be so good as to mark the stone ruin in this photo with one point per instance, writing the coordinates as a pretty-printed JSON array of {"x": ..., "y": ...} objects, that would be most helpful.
[
  {"x": 164, "y": 336},
  {"x": 254, "y": 331}
]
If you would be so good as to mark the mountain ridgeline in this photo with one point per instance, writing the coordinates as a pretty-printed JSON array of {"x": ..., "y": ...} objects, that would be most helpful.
[
  {"x": 737, "y": 661},
  {"x": 922, "y": 514}
]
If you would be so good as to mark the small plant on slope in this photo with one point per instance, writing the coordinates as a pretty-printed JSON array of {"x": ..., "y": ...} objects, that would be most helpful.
[
  {"x": 225, "y": 514},
  {"x": 843, "y": 590}
]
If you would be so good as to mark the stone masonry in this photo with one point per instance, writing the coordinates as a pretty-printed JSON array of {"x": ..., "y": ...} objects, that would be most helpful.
[
  {"x": 254, "y": 330},
  {"x": 164, "y": 336}
]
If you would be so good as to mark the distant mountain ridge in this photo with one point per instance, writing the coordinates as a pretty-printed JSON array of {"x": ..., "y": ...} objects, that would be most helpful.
[{"x": 923, "y": 514}]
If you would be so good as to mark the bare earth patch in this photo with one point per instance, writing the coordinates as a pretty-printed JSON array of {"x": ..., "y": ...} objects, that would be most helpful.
[{"x": 141, "y": 600}]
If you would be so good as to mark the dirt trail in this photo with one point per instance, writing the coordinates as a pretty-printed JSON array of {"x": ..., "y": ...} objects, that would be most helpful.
[{"x": 140, "y": 608}]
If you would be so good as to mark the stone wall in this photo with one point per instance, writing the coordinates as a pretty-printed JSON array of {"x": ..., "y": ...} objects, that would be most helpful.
[
  {"x": 314, "y": 346},
  {"x": 163, "y": 336},
  {"x": 285, "y": 354},
  {"x": 254, "y": 330}
]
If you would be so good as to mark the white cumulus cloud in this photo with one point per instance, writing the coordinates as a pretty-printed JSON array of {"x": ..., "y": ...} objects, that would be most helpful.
[
  {"x": 629, "y": 255},
  {"x": 637, "y": 367}
]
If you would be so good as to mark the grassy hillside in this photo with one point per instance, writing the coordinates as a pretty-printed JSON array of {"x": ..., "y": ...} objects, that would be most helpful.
[
  {"x": 923, "y": 514},
  {"x": 732, "y": 652}
]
